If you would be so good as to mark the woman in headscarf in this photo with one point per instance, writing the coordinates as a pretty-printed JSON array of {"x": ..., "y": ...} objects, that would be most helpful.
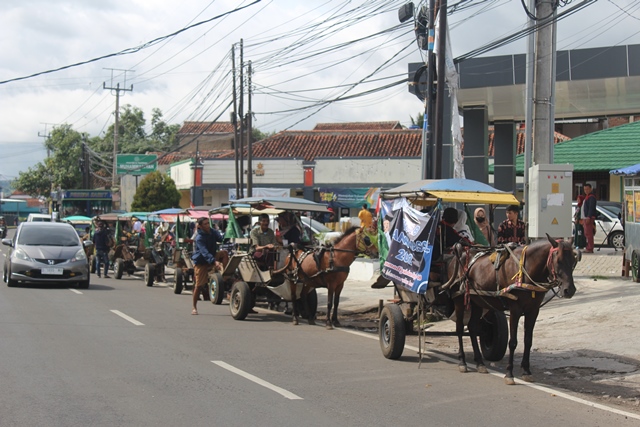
[{"x": 480, "y": 217}]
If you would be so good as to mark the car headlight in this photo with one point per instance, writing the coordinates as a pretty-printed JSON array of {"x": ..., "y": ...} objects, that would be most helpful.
[
  {"x": 79, "y": 256},
  {"x": 21, "y": 254}
]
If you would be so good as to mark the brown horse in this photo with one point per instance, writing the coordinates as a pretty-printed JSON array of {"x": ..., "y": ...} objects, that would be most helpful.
[
  {"x": 518, "y": 284},
  {"x": 327, "y": 267}
]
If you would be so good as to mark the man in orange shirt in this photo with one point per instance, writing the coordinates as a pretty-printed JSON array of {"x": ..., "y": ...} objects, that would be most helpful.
[{"x": 366, "y": 219}]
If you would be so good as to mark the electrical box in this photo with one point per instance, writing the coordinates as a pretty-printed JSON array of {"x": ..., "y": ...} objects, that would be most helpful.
[{"x": 550, "y": 197}]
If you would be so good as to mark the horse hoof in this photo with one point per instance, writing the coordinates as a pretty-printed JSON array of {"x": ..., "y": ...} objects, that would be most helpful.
[
  {"x": 482, "y": 369},
  {"x": 463, "y": 369},
  {"x": 509, "y": 381},
  {"x": 336, "y": 324},
  {"x": 312, "y": 322},
  {"x": 329, "y": 326},
  {"x": 528, "y": 378},
  {"x": 295, "y": 321}
]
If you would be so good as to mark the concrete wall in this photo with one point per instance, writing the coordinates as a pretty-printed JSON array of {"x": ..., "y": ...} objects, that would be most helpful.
[
  {"x": 266, "y": 172},
  {"x": 366, "y": 172},
  {"x": 182, "y": 175}
]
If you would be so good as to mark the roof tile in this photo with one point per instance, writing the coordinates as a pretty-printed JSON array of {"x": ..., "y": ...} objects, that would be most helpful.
[{"x": 205, "y": 128}]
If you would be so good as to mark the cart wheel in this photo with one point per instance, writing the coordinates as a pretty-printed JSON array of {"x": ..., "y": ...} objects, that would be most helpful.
[
  {"x": 494, "y": 335},
  {"x": 312, "y": 302},
  {"x": 616, "y": 240},
  {"x": 240, "y": 300},
  {"x": 178, "y": 278},
  {"x": 635, "y": 266},
  {"x": 392, "y": 332},
  {"x": 118, "y": 268},
  {"x": 149, "y": 272},
  {"x": 216, "y": 289},
  {"x": 92, "y": 264}
]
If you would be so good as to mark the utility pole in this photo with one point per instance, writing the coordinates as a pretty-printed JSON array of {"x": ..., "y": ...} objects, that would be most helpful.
[
  {"x": 241, "y": 115},
  {"x": 442, "y": 48},
  {"x": 195, "y": 174},
  {"x": 46, "y": 135},
  {"x": 249, "y": 132},
  {"x": 544, "y": 81},
  {"x": 234, "y": 119},
  {"x": 428, "y": 117},
  {"x": 117, "y": 90},
  {"x": 528, "y": 122}
]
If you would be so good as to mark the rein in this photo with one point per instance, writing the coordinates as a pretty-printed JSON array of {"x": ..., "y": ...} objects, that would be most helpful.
[{"x": 533, "y": 286}]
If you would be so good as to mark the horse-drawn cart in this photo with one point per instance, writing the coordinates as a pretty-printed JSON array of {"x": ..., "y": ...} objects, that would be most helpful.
[{"x": 480, "y": 281}]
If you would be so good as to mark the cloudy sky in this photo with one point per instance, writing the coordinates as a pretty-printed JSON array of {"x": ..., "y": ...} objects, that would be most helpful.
[{"x": 304, "y": 53}]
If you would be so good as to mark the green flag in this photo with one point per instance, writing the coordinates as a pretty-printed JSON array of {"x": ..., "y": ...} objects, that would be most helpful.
[
  {"x": 478, "y": 236},
  {"x": 233, "y": 229}
]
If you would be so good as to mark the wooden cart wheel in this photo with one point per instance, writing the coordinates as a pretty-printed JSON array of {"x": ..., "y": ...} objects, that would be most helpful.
[
  {"x": 118, "y": 268},
  {"x": 149, "y": 272},
  {"x": 635, "y": 266},
  {"x": 392, "y": 333}
]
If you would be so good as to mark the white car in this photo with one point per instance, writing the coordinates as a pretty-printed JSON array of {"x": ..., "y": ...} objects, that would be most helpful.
[
  {"x": 609, "y": 229},
  {"x": 322, "y": 233}
]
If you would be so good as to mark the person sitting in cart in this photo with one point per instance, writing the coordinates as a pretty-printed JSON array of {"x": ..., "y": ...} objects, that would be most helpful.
[
  {"x": 263, "y": 241},
  {"x": 289, "y": 231},
  {"x": 204, "y": 257},
  {"x": 446, "y": 237},
  {"x": 512, "y": 229}
]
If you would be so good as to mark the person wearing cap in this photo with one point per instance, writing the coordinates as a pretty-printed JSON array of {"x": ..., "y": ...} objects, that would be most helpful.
[{"x": 512, "y": 229}]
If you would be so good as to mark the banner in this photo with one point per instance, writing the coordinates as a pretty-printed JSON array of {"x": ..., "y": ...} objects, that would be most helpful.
[
  {"x": 262, "y": 192},
  {"x": 349, "y": 197},
  {"x": 408, "y": 236}
]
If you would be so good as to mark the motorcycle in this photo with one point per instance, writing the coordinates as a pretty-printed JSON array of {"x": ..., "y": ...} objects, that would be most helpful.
[{"x": 3, "y": 231}]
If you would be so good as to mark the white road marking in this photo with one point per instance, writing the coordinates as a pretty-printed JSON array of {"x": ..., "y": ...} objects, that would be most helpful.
[
  {"x": 75, "y": 291},
  {"x": 545, "y": 389},
  {"x": 127, "y": 318},
  {"x": 257, "y": 380}
]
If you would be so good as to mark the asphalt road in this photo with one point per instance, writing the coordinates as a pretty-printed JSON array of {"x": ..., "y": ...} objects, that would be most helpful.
[{"x": 123, "y": 354}]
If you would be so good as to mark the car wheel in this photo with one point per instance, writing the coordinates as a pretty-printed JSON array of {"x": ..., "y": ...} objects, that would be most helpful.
[
  {"x": 178, "y": 280},
  {"x": 84, "y": 284},
  {"x": 616, "y": 240},
  {"x": 10, "y": 283}
]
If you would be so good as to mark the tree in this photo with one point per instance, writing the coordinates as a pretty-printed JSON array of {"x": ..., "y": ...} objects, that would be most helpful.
[
  {"x": 163, "y": 135},
  {"x": 60, "y": 169},
  {"x": 258, "y": 135},
  {"x": 156, "y": 191},
  {"x": 418, "y": 121}
]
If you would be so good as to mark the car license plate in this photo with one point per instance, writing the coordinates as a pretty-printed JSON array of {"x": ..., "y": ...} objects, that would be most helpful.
[{"x": 52, "y": 271}]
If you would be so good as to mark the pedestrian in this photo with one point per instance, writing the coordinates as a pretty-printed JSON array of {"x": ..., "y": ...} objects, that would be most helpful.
[
  {"x": 512, "y": 229},
  {"x": 366, "y": 219},
  {"x": 101, "y": 241},
  {"x": 588, "y": 215},
  {"x": 204, "y": 257}
]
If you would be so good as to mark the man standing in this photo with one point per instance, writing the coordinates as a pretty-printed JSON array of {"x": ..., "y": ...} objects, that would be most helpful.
[
  {"x": 366, "y": 219},
  {"x": 204, "y": 251},
  {"x": 101, "y": 241},
  {"x": 589, "y": 216},
  {"x": 137, "y": 225},
  {"x": 512, "y": 229}
]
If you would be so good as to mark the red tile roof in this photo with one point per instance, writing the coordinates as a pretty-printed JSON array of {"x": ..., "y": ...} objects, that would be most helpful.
[
  {"x": 205, "y": 128},
  {"x": 309, "y": 144},
  {"x": 353, "y": 126},
  {"x": 169, "y": 158}
]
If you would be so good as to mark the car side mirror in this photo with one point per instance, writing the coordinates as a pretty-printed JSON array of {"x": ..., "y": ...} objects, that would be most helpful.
[
  {"x": 87, "y": 243},
  {"x": 7, "y": 242}
]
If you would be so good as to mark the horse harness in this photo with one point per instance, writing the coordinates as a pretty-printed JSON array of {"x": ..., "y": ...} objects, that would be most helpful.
[{"x": 499, "y": 256}]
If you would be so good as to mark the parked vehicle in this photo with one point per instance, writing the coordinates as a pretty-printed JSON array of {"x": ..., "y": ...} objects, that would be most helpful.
[
  {"x": 609, "y": 228},
  {"x": 39, "y": 218},
  {"x": 46, "y": 252}
]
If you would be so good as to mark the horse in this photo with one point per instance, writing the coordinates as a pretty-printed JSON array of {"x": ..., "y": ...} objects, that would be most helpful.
[
  {"x": 518, "y": 284},
  {"x": 327, "y": 267}
]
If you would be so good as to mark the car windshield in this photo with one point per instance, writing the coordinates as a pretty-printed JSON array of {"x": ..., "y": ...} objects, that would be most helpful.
[
  {"x": 48, "y": 236},
  {"x": 615, "y": 210},
  {"x": 317, "y": 226}
]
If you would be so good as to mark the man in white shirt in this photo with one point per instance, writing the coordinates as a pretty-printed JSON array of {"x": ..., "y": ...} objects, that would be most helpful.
[{"x": 137, "y": 225}]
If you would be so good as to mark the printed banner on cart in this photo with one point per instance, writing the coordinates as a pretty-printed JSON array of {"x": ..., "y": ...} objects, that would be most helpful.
[
  {"x": 409, "y": 236},
  {"x": 349, "y": 197}
]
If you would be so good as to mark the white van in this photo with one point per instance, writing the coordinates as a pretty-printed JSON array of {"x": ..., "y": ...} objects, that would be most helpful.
[{"x": 39, "y": 217}]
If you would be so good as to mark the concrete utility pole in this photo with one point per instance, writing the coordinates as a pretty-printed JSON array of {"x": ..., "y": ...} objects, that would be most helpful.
[
  {"x": 428, "y": 125},
  {"x": 442, "y": 49},
  {"x": 249, "y": 132},
  {"x": 46, "y": 135},
  {"x": 240, "y": 195},
  {"x": 544, "y": 82},
  {"x": 117, "y": 90},
  {"x": 234, "y": 119}
]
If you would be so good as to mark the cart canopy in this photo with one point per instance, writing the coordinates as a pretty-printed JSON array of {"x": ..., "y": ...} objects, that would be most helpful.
[
  {"x": 281, "y": 204},
  {"x": 456, "y": 190}
]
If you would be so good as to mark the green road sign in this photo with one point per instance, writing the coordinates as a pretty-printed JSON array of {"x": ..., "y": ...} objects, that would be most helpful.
[{"x": 136, "y": 164}]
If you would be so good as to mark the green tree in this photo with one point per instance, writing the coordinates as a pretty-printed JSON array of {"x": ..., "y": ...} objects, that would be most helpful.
[
  {"x": 258, "y": 135},
  {"x": 60, "y": 169},
  {"x": 156, "y": 191},
  {"x": 163, "y": 135},
  {"x": 418, "y": 121}
]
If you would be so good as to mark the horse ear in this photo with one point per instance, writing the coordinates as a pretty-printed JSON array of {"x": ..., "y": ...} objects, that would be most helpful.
[
  {"x": 553, "y": 242},
  {"x": 570, "y": 241}
]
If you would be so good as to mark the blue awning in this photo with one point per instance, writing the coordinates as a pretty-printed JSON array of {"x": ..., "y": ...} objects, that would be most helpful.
[{"x": 629, "y": 170}]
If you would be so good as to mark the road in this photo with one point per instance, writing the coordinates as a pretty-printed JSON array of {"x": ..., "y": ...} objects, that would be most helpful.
[{"x": 122, "y": 354}]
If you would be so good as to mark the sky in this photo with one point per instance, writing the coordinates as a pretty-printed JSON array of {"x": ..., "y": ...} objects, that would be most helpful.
[{"x": 304, "y": 55}]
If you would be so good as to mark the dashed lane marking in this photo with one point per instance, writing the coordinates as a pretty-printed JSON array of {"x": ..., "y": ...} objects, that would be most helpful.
[
  {"x": 257, "y": 380},
  {"x": 127, "y": 318}
]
